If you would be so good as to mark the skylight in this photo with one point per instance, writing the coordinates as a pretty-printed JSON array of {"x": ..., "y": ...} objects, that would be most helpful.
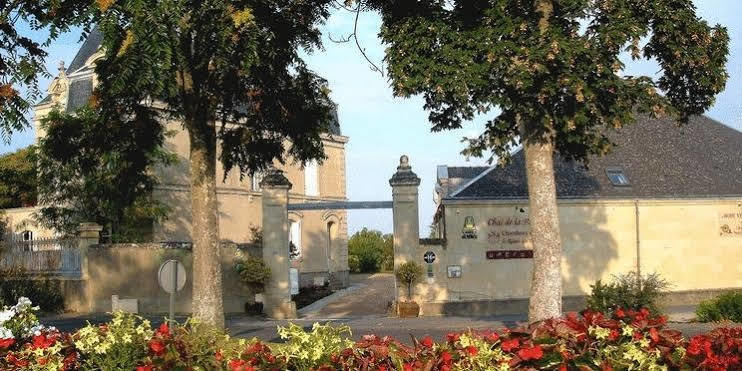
[{"x": 617, "y": 177}]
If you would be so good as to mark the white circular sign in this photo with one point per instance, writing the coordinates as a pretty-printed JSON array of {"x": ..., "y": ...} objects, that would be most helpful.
[{"x": 165, "y": 275}]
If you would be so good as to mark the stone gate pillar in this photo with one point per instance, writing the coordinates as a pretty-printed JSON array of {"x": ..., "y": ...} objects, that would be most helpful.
[
  {"x": 405, "y": 185},
  {"x": 277, "y": 296}
]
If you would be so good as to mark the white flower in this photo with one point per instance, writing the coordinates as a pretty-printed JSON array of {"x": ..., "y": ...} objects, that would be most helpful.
[
  {"x": 6, "y": 315},
  {"x": 5, "y": 333}
]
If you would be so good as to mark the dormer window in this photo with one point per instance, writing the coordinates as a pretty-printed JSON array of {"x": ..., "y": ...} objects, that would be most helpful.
[{"x": 617, "y": 177}]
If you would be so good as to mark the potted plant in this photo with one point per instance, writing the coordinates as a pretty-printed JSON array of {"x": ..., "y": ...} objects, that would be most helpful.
[
  {"x": 407, "y": 274},
  {"x": 254, "y": 274}
]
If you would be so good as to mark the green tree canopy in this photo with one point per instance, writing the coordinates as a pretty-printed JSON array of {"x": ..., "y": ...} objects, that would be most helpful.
[
  {"x": 18, "y": 181},
  {"x": 231, "y": 73},
  {"x": 371, "y": 251},
  {"x": 554, "y": 71},
  {"x": 95, "y": 175}
]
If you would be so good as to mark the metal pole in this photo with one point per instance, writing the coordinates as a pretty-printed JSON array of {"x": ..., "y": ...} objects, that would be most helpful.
[{"x": 174, "y": 288}]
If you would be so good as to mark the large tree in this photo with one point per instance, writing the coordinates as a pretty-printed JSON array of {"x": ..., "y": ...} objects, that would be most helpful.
[
  {"x": 553, "y": 68},
  {"x": 18, "y": 180},
  {"x": 103, "y": 176},
  {"x": 230, "y": 72}
]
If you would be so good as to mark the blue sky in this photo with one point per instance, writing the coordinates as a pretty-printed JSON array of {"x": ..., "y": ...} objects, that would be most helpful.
[{"x": 382, "y": 128}]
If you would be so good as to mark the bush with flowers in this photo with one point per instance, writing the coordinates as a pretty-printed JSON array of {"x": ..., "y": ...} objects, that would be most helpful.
[{"x": 623, "y": 340}]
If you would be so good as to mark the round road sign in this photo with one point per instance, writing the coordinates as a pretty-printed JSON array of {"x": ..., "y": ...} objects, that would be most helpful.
[
  {"x": 166, "y": 273},
  {"x": 429, "y": 257}
]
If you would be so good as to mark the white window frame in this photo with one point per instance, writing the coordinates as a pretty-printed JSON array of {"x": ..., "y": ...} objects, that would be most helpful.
[
  {"x": 255, "y": 181},
  {"x": 311, "y": 178}
]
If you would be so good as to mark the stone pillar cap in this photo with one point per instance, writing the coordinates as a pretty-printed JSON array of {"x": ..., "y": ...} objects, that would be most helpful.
[
  {"x": 274, "y": 178},
  {"x": 89, "y": 227},
  {"x": 404, "y": 175}
]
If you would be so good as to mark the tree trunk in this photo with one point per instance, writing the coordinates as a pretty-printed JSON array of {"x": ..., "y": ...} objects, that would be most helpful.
[
  {"x": 207, "y": 269},
  {"x": 546, "y": 284}
]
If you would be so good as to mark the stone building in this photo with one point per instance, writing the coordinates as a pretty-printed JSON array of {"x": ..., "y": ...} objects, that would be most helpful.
[
  {"x": 319, "y": 238},
  {"x": 666, "y": 200}
]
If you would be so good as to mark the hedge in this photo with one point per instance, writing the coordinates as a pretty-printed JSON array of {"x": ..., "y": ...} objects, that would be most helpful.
[{"x": 625, "y": 340}]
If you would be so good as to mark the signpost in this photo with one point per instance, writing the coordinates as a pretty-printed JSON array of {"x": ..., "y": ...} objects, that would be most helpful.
[{"x": 172, "y": 278}]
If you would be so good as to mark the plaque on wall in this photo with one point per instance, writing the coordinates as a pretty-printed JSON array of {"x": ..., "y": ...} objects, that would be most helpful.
[
  {"x": 454, "y": 271},
  {"x": 510, "y": 254}
]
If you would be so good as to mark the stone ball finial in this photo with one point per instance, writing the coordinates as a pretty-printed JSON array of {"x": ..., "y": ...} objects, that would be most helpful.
[
  {"x": 404, "y": 161},
  {"x": 404, "y": 174}
]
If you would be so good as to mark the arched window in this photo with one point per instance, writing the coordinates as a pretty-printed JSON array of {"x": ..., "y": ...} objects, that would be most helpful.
[
  {"x": 311, "y": 178},
  {"x": 332, "y": 236}
]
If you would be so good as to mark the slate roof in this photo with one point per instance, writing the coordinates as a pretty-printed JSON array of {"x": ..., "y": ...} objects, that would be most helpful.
[
  {"x": 465, "y": 172},
  {"x": 700, "y": 160},
  {"x": 88, "y": 48}
]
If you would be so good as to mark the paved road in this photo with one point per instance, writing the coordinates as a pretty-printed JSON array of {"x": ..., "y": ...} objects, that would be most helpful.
[{"x": 364, "y": 308}]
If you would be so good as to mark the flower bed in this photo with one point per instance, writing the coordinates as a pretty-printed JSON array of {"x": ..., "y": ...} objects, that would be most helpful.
[{"x": 627, "y": 340}]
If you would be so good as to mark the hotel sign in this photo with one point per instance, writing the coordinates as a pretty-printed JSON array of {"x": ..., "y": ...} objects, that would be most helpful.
[{"x": 510, "y": 254}]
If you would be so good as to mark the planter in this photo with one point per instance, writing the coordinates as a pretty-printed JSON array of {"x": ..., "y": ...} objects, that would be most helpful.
[
  {"x": 407, "y": 309},
  {"x": 254, "y": 309}
]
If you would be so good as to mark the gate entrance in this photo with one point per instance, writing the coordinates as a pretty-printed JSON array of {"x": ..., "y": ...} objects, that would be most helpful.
[{"x": 277, "y": 296}]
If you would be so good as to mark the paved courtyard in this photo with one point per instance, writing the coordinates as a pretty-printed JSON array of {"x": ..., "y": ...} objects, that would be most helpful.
[{"x": 364, "y": 307}]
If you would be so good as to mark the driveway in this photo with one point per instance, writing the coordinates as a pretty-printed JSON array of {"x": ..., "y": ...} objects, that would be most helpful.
[{"x": 369, "y": 295}]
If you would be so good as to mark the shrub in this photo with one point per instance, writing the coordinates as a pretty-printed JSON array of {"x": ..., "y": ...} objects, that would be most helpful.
[
  {"x": 727, "y": 306},
  {"x": 407, "y": 274},
  {"x": 253, "y": 272},
  {"x": 629, "y": 291},
  {"x": 46, "y": 293},
  {"x": 309, "y": 350},
  {"x": 370, "y": 251},
  {"x": 120, "y": 344}
]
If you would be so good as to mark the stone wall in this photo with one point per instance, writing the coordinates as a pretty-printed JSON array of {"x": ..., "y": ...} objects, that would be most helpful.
[{"x": 130, "y": 271}]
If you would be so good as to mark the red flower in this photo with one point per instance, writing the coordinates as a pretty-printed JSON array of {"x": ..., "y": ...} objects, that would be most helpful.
[
  {"x": 452, "y": 338},
  {"x": 446, "y": 356},
  {"x": 407, "y": 367},
  {"x": 382, "y": 368},
  {"x": 42, "y": 341},
  {"x": 6, "y": 343},
  {"x": 509, "y": 345},
  {"x": 145, "y": 368},
  {"x": 613, "y": 335},
  {"x": 654, "y": 334},
  {"x": 472, "y": 350},
  {"x": 427, "y": 342},
  {"x": 620, "y": 313},
  {"x": 238, "y": 364},
  {"x": 156, "y": 347},
  {"x": 218, "y": 356},
  {"x": 562, "y": 367},
  {"x": 534, "y": 352},
  {"x": 164, "y": 330},
  {"x": 42, "y": 361}
]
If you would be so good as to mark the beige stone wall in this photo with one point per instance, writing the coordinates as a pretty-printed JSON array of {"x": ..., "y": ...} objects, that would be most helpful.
[
  {"x": 131, "y": 273},
  {"x": 679, "y": 239}
]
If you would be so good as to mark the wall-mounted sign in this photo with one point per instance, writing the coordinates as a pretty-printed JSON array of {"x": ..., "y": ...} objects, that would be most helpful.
[
  {"x": 470, "y": 228},
  {"x": 510, "y": 254},
  {"x": 429, "y": 257},
  {"x": 509, "y": 230},
  {"x": 730, "y": 224},
  {"x": 454, "y": 271}
]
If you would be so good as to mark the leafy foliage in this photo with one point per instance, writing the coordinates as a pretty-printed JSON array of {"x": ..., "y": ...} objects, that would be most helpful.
[
  {"x": 628, "y": 291},
  {"x": 553, "y": 66},
  {"x": 370, "y": 251},
  {"x": 253, "y": 272},
  {"x": 46, "y": 293},
  {"x": 18, "y": 179},
  {"x": 23, "y": 55},
  {"x": 407, "y": 274},
  {"x": 623, "y": 340},
  {"x": 100, "y": 171},
  {"x": 725, "y": 307}
]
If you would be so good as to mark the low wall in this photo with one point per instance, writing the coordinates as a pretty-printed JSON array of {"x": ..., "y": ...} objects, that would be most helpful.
[{"x": 130, "y": 271}]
